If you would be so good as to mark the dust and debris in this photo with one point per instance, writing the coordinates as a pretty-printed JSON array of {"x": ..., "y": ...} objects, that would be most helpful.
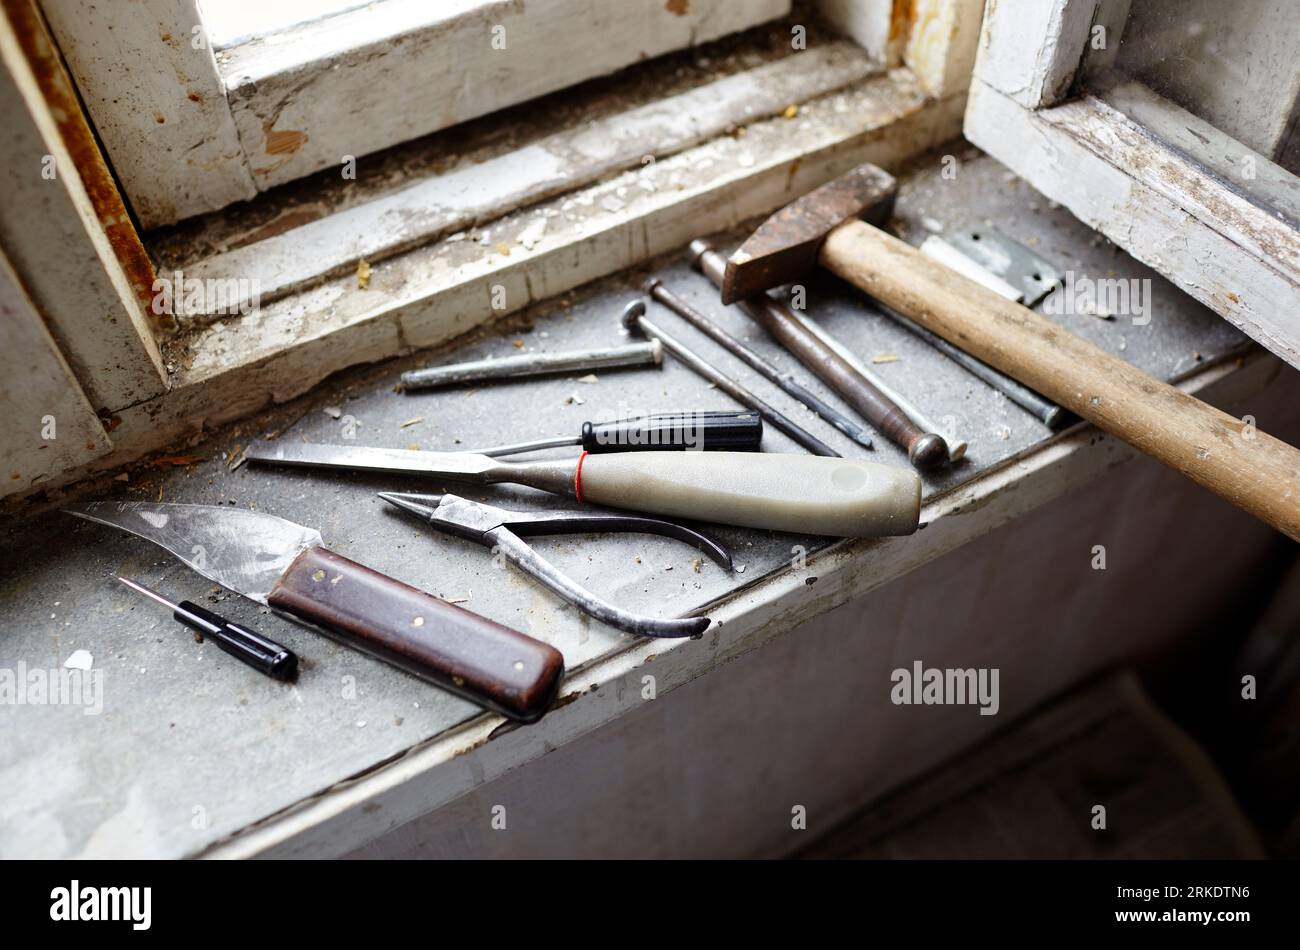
[
  {"x": 334, "y": 412},
  {"x": 574, "y": 400},
  {"x": 411, "y": 422},
  {"x": 503, "y": 248},
  {"x": 363, "y": 274},
  {"x": 517, "y": 344},
  {"x": 696, "y": 564},
  {"x": 589, "y": 378},
  {"x": 885, "y": 358},
  {"x": 790, "y": 111},
  {"x": 530, "y": 236}
]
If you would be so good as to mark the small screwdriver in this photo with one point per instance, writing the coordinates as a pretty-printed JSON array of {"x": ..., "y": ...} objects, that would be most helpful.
[
  {"x": 263, "y": 655},
  {"x": 706, "y": 431}
]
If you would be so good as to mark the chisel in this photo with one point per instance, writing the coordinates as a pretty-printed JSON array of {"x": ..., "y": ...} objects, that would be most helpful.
[
  {"x": 700, "y": 431},
  {"x": 802, "y": 494}
]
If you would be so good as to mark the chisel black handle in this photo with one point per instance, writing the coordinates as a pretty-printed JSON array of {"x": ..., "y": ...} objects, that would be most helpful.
[
  {"x": 265, "y": 656},
  {"x": 698, "y": 431}
]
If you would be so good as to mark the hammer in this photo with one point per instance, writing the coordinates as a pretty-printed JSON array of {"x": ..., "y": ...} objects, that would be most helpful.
[{"x": 1252, "y": 470}]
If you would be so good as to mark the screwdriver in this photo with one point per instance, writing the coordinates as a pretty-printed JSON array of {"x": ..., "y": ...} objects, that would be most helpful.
[
  {"x": 706, "y": 431},
  {"x": 265, "y": 656}
]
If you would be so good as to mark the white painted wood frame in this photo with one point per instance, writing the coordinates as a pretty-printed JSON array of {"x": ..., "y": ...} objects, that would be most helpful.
[
  {"x": 47, "y": 425},
  {"x": 65, "y": 231},
  {"x": 1206, "y": 233},
  {"x": 150, "y": 84},
  {"x": 190, "y": 132}
]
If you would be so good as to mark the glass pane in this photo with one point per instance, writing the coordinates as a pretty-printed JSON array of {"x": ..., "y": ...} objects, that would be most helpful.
[{"x": 1219, "y": 81}]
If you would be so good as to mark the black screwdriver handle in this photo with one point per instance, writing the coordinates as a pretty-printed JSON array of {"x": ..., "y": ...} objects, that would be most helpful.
[
  {"x": 265, "y": 656},
  {"x": 698, "y": 431}
]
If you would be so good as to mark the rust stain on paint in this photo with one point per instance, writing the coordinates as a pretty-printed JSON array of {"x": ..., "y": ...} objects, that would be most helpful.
[
  {"x": 678, "y": 7},
  {"x": 902, "y": 15},
  {"x": 61, "y": 98}
]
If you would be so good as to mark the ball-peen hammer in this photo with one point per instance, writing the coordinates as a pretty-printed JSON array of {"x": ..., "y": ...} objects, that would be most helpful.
[{"x": 1247, "y": 467}]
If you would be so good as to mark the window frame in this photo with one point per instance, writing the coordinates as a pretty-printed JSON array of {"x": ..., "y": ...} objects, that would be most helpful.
[
  {"x": 1207, "y": 234},
  {"x": 245, "y": 364},
  {"x": 216, "y": 127}
]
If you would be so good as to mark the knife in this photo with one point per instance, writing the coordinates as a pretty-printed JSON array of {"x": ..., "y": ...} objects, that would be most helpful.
[
  {"x": 287, "y": 567},
  {"x": 803, "y": 494}
]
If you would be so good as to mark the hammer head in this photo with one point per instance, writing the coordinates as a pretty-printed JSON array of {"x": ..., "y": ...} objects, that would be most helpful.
[{"x": 785, "y": 246}]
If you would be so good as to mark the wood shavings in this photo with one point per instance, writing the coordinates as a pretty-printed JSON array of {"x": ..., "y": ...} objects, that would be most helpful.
[
  {"x": 885, "y": 358},
  {"x": 363, "y": 274},
  {"x": 165, "y": 461},
  {"x": 696, "y": 564},
  {"x": 411, "y": 422},
  {"x": 790, "y": 111}
]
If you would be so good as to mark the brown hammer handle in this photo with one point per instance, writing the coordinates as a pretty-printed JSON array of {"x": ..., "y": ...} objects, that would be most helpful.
[{"x": 1252, "y": 470}]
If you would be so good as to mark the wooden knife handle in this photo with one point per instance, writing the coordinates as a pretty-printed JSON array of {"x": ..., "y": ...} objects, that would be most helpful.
[
  {"x": 469, "y": 655},
  {"x": 1250, "y": 469}
]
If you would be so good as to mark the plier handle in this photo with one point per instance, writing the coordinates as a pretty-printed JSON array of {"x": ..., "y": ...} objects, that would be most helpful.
[{"x": 503, "y": 530}]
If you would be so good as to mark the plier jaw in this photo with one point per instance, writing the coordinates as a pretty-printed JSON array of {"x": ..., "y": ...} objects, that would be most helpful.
[{"x": 503, "y": 530}]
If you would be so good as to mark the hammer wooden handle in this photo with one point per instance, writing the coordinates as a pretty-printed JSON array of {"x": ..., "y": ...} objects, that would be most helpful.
[{"x": 1248, "y": 468}]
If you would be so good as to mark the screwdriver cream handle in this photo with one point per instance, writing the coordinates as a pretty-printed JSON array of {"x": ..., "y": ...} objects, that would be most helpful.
[{"x": 803, "y": 494}]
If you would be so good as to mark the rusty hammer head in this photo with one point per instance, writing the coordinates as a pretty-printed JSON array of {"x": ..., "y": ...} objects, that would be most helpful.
[{"x": 785, "y": 246}]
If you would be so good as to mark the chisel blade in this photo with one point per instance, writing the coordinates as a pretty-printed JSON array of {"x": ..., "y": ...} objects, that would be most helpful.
[{"x": 463, "y": 465}]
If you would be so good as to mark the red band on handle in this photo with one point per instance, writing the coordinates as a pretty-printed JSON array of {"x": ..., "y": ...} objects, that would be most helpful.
[{"x": 577, "y": 477}]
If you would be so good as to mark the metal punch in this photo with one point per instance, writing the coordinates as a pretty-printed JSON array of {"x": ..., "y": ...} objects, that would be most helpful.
[{"x": 502, "y": 529}]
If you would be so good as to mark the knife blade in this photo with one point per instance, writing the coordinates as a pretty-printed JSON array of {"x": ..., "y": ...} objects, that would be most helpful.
[
  {"x": 801, "y": 494},
  {"x": 286, "y": 566}
]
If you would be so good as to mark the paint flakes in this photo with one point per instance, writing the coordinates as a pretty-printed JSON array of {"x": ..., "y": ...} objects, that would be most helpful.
[{"x": 80, "y": 660}]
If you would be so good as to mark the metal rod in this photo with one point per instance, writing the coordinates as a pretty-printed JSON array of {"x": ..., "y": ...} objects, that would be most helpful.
[
  {"x": 634, "y": 319},
  {"x": 518, "y": 448},
  {"x": 534, "y": 364},
  {"x": 925, "y": 448},
  {"x": 154, "y": 595},
  {"x": 1050, "y": 413},
  {"x": 956, "y": 445},
  {"x": 655, "y": 288}
]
